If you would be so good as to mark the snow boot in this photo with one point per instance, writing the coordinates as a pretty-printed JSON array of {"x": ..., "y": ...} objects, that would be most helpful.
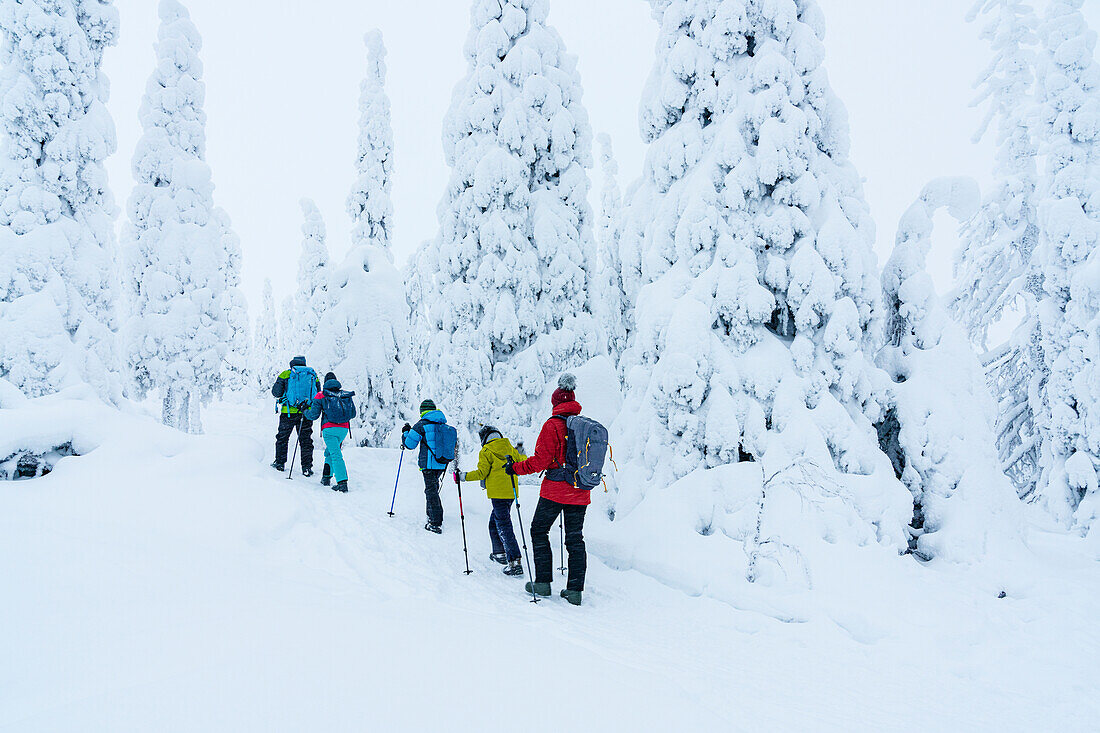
[
  {"x": 437, "y": 528},
  {"x": 341, "y": 486},
  {"x": 514, "y": 569},
  {"x": 499, "y": 557},
  {"x": 278, "y": 466},
  {"x": 326, "y": 475},
  {"x": 307, "y": 472},
  {"x": 539, "y": 589},
  {"x": 573, "y": 596}
]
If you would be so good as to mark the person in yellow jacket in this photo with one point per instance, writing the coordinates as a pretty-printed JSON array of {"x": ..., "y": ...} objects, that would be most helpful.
[{"x": 495, "y": 451}]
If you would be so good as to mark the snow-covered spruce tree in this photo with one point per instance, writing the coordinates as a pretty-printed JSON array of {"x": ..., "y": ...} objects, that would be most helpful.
[
  {"x": 292, "y": 334},
  {"x": 940, "y": 425},
  {"x": 173, "y": 242},
  {"x": 238, "y": 358},
  {"x": 312, "y": 298},
  {"x": 1069, "y": 256},
  {"x": 995, "y": 267},
  {"x": 613, "y": 308},
  {"x": 369, "y": 203},
  {"x": 515, "y": 246},
  {"x": 756, "y": 327},
  {"x": 364, "y": 335},
  {"x": 267, "y": 357},
  {"x": 58, "y": 315}
]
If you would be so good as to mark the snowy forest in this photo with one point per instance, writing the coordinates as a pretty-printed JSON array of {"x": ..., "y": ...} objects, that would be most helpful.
[{"x": 811, "y": 447}]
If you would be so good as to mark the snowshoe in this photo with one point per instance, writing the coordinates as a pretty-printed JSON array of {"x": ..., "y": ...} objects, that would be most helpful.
[
  {"x": 514, "y": 569},
  {"x": 539, "y": 589},
  {"x": 341, "y": 486},
  {"x": 307, "y": 472},
  {"x": 499, "y": 557},
  {"x": 573, "y": 596},
  {"x": 278, "y": 466},
  {"x": 438, "y": 529}
]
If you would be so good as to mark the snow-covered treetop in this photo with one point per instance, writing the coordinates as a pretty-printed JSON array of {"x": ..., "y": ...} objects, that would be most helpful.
[
  {"x": 56, "y": 127},
  {"x": 369, "y": 203}
]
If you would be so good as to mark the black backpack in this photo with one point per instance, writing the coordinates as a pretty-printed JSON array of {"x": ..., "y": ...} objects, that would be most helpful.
[{"x": 338, "y": 407}]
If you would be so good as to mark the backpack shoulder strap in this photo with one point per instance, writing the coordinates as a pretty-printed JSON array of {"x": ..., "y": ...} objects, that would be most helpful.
[{"x": 424, "y": 441}]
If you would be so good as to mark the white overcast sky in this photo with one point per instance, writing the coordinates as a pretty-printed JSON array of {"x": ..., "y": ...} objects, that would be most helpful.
[{"x": 282, "y": 80}]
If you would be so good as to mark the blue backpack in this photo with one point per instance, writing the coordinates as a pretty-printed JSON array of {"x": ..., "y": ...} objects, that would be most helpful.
[
  {"x": 585, "y": 451},
  {"x": 446, "y": 442},
  {"x": 300, "y": 386},
  {"x": 338, "y": 407}
]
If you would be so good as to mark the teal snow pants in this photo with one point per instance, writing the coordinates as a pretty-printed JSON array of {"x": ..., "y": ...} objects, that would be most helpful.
[{"x": 334, "y": 457}]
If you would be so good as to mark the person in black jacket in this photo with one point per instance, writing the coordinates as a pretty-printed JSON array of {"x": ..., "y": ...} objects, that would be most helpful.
[{"x": 292, "y": 419}]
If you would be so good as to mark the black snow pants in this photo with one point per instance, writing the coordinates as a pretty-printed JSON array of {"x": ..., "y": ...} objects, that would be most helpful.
[
  {"x": 432, "y": 479},
  {"x": 546, "y": 513},
  {"x": 289, "y": 422}
]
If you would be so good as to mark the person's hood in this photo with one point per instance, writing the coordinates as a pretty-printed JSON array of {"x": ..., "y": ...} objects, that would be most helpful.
[
  {"x": 500, "y": 447},
  {"x": 298, "y": 361},
  {"x": 333, "y": 385},
  {"x": 434, "y": 416},
  {"x": 567, "y": 408}
]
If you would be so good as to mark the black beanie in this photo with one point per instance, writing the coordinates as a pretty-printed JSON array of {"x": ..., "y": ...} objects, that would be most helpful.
[{"x": 426, "y": 406}]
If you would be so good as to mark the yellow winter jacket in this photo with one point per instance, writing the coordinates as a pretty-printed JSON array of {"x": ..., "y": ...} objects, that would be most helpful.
[{"x": 490, "y": 468}]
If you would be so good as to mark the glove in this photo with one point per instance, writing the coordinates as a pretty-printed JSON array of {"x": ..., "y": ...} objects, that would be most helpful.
[
  {"x": 406, "y": 428},
  {"x": 508, "y": 467},
  {"x": 457, "y": 479}
]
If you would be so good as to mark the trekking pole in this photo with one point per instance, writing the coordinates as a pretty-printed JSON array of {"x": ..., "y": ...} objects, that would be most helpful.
[
  {"x": 462, "y": 518},
  {"x": 399, "y": 460},
  {"x": 561, "y": 534},
  {"x": 297, "y": 440},
  {"x": 530, "y": 574}
]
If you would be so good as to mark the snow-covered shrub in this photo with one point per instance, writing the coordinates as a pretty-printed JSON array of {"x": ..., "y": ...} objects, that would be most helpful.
[
  {"x": 945, "y": 444},
  {"x": 1069, "y": 256},
  {"x": 58, "y": 317},
  {"x": 174, "y": 243},
  {"x": 756, "y": 320},
  {"x": 363, "y": 335},
  {"x": 515, "y": 249}
]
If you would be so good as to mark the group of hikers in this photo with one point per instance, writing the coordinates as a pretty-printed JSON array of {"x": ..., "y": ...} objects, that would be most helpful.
[{"x": 568, "y": 452}]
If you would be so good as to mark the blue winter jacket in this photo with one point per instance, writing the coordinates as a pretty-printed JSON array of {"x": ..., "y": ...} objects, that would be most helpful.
[{"x": 428, "y": 425}]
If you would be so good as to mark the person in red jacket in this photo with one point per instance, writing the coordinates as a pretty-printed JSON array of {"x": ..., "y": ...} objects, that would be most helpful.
[{"x": 557, "y": 496}]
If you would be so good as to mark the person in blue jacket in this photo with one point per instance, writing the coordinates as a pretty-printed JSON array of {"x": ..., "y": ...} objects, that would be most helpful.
[{"x": 427, "y": 434}]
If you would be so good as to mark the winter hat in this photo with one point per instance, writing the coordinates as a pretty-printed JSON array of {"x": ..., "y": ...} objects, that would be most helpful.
[
  {"x": 564, "y": 393},
  {"x": 298, "y": 361},
  {"x": 330, "y": 375},
  {"x": 426, "y": 406},
  {"x": 487, "y": 432}
]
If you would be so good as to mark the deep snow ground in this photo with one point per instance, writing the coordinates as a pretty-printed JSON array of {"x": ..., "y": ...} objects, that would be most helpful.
[{"x": 172, "y": 583}]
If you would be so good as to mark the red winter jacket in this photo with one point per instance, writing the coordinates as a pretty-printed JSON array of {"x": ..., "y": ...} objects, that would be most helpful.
[{"x": 550, "y": 453}]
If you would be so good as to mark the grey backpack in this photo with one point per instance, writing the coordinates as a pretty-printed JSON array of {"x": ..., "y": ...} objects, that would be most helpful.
[{"x": 585, "y": 453}]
